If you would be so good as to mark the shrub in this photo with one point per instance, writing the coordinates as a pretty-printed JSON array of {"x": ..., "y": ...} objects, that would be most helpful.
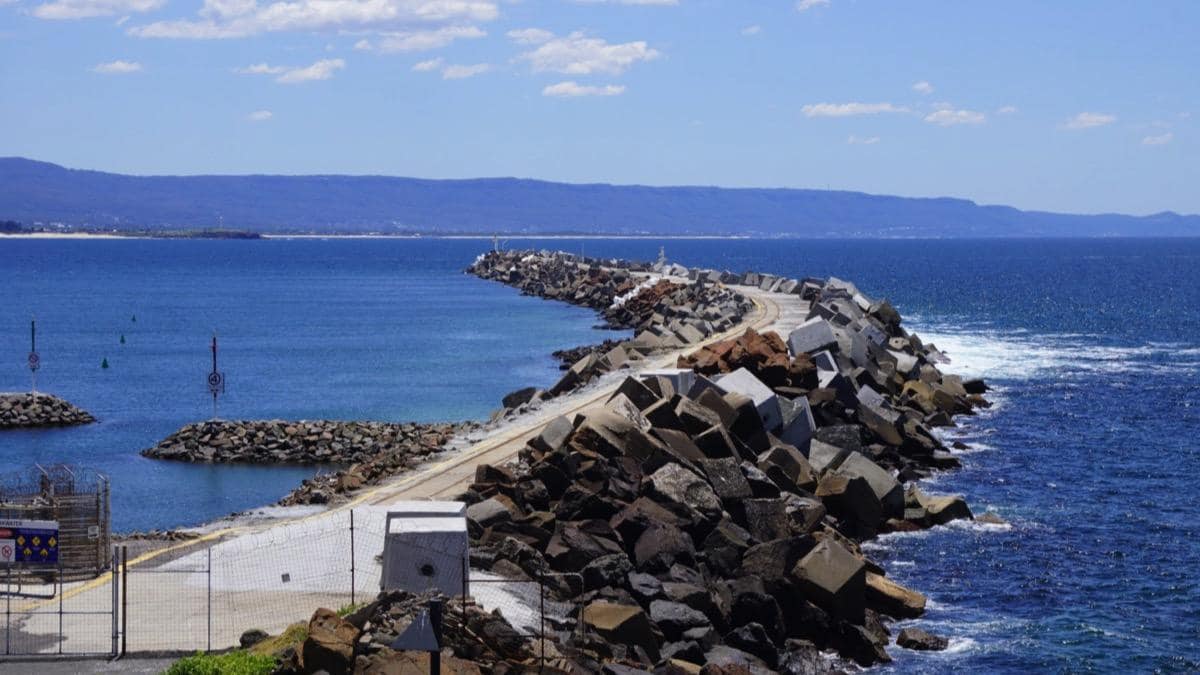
[{"x": 231, "y": 663}]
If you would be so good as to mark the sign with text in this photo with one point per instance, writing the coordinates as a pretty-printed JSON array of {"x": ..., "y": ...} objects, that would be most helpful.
[{"x": 29, "y": 541}]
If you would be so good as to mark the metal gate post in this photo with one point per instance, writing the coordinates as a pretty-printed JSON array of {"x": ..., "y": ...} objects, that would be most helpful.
[
  {"x": 209, "y": 598},
  {"x": 60, "y": 606},
  {"x": 124, "y": 597},
  {"x": 7, "y": 606},
  {"x": 351, "y": 556},
  {"x": 116, "y": 584}
]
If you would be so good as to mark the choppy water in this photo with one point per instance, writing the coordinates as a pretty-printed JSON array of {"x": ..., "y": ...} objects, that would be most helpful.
[{"x": 1090, "y": 453}]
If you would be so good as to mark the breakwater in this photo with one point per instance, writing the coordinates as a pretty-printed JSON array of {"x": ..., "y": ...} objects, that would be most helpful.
[
  {"x": 664, "y": 308},
  {"x": 373, "y": 451},
  {"x": 39, "y": 410},
  {"x": 715, "y": 513}
]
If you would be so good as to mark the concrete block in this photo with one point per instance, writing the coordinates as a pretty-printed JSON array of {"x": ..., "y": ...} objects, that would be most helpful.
[
  {"x": 833, "y": 578},
  {"x": 886, "y": 488},
  {"x": 813, "y": 335},
  {"x": 744, "y": 382},
  {"x": 824, "y": 457},
  {"x": 681, "y": 379},
  {"x": 798, "y": 424}
]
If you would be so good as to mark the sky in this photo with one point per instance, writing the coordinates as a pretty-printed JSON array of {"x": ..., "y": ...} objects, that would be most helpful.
[{"x": 1082, "y": 107}]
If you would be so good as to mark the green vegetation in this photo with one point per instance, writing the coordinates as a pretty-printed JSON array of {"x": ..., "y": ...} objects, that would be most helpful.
[
  {"x": 232, "y": 663},
  {"x": 349, "y": 609},
  {"x": 293, "y": 636}
]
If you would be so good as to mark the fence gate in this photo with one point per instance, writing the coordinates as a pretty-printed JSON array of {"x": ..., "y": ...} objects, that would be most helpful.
[{"x": 51, "y": 610}]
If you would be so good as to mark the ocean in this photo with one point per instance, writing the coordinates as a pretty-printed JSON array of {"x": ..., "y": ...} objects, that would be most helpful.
[{"x": 1089, "y": 453}]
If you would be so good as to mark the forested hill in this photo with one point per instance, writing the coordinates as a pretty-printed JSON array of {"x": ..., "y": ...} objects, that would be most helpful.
[{"x": 32, "y": 192}]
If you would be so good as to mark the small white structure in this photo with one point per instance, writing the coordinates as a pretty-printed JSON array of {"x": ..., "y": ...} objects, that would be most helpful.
[{"x": 426, "y": 547}]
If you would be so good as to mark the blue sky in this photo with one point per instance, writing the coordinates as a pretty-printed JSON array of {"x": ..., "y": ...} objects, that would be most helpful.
[{"x": 1067, "y": 106}]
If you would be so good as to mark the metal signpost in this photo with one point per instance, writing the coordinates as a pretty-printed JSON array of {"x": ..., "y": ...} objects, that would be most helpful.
[
  {"x": 33, "y": 542},
  {"x": 216, "y": 379},
  {"x": 35, "y": 361}
]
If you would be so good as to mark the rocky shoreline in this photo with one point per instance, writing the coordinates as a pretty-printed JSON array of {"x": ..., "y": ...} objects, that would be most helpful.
[
  {"x": 373, "y": 451},
  {"x": 714, "y": 514},
  {"x": 39, "y": 410}
]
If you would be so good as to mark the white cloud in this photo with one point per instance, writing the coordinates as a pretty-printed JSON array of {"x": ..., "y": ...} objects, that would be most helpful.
[
  {"x": 571, "y": 89},
  {"x": 260, "y": 116},
  {"x": 849, "y": 109},
  {"x": 577, "y": 54},
  {"x": 422, "y": 40},
  {"x": 456, "y": 72},
  {"x": 530, "y": 36},
  {"x": 240, "y": 18},
  {"x": 862, "y": 140},
  {"x": 947, "y": 116},
  {"x": 752, "y": 30},
  {"x": 117, "y": 67},
  {"x": 628, "y": 2},
  {"x": 805, "y": 5},
  {"x": 1007, "y": 110},
  {"x": 426, "y": 66},
  {"x": 364, "y": 45},
  {"x": 1088, "y": 120},
  {"x": 1161, "y": 139},
  {"x": 85, "y": 9},
  {"x": 260, "y": 69},
  {"x": 321, "y": 70},
  {"x": 922, "y": 87}
]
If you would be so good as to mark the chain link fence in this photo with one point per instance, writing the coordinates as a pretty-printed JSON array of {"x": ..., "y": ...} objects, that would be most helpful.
[{"x": 202, "y": 595}]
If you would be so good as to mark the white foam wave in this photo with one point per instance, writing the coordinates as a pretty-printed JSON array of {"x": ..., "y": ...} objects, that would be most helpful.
[{"x": 1018, "y": 354}]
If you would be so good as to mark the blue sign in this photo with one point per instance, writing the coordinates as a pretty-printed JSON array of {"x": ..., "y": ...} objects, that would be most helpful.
[{"x": 32, "y": 542}]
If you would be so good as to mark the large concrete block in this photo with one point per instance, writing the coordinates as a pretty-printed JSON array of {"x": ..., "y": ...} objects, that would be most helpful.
[
  {"x": 825, "y": 457},
  {"x": 833, "y": 578},
  {"x": 798, "y": 424},
  {"x": 811, "y": 336},
  {"x": 744, "y": 382},
  {"x": 883, "y": 484},
  {"x": 681, "y": 379}
]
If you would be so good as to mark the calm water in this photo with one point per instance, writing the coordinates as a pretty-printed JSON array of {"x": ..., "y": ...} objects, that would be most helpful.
[{"x": 1090, "y": 453}]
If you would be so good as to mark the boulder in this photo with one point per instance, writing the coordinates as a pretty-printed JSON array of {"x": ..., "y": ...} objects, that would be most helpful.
[
  {"x": 726, "y": 478},
  {"x": 676, "y": 485},
  {"x": 853, "y": 501},
  {"x": 622, "y": 624},
  {"x": 675, "y": 618},
  {"x": 330, "y": 643},
  {"x": 787, "y": 462},
  {"x": 915, "y": 638},
  {"x": 834, "y": 579},
  {"x": 886, "y": 596}
]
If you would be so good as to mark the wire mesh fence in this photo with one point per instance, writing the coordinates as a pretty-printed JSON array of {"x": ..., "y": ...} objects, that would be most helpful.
[
  {"x": 203, "y": 595},
  {"x": 46, "y": 613}
]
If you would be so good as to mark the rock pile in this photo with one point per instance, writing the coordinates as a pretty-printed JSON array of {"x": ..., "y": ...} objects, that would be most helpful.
[
  {"x": 714, "y": 516},
  {"x": 39, "y": 410},
  {"x": 374, "y": 451},
  {"x": 663, "y": 314},
  {"x": 473, "y": 641}
]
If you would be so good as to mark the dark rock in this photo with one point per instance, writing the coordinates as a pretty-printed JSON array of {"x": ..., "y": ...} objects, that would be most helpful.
[
  {"x": 915, "y": 638},
  {"x": 675, "y": 618}
]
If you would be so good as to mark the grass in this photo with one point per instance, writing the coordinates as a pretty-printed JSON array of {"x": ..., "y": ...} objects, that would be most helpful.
[
  {"x": 231, "y": 663},
  {"x": 348, "y": 609},
  {"x": 292, "y": 636}
]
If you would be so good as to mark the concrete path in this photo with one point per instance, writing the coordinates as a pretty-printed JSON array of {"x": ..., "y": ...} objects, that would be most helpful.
[{"x": 268, "y": 575}]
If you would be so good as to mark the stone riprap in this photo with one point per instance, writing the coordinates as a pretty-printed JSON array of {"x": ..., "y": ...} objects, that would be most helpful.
[
  {"x": 686, "y": 531},
  {"x": 39, "y": 410},
  {"x": 374, "y": 451},
  {"x": 667, "y": 307}
]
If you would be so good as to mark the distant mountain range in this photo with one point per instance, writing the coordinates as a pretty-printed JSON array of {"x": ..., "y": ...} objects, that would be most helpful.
[{"x": 39, "y": 192}]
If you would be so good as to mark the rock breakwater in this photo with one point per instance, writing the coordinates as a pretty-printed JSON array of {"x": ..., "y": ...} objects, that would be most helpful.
[
  {"x": 39, "y": 410},
  {"x": 374, "y": 451},
  {"x": 713, "y": 514},
  {"x": 663, "y": 306}
]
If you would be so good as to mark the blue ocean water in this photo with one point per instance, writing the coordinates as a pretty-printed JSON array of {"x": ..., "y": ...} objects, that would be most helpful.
[{"x": 1089, "y": 454}]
